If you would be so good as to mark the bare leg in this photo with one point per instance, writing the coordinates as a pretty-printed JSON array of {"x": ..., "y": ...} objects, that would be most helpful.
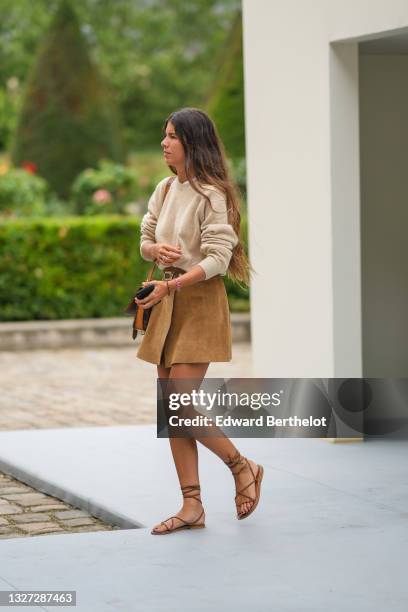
[
  {"x": 222, "y": 446},
  {"x": 187, "y": 461},
  {"x": 184, "y": 450}
]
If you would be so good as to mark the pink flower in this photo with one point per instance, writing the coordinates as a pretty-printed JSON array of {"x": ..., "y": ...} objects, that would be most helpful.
[{"x": 102, "y": 196}]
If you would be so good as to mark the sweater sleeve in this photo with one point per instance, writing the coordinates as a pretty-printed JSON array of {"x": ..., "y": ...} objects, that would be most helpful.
[
  {"x": 149, "y": 220},
  {"x": 218, "y": 237}
]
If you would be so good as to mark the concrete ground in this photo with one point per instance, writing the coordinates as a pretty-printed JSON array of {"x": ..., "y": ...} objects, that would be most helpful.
[{"x": 330, "y": 532}]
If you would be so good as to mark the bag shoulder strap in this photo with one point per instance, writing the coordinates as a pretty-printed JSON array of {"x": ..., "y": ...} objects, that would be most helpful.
[{"x": 166, "y": 190}]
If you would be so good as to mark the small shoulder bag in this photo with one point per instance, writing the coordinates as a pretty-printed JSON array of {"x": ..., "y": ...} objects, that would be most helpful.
[{"x": 142, "y": 315}]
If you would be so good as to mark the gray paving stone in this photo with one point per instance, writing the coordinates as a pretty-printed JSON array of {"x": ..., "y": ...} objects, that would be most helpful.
[
  {"x": 9, "y": 509},
  {"x": 77, "y": 522},
  {"x": 31, "y": 517},
  {"x": 28, "y": 499},
  {"x": 70, "y": 514},
  {"x": 35, "y": 528},
  {"x": 13, "y": 489},
  {"x": 48, "y": 507}
]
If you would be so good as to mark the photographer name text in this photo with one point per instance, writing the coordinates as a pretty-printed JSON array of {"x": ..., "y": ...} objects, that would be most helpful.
[{"x": 259, "y": 421}]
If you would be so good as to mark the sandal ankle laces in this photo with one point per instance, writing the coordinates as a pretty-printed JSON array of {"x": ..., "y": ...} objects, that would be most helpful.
[
  {"x": 236, "y": 460},
  {"x": 189, "y": 489}
]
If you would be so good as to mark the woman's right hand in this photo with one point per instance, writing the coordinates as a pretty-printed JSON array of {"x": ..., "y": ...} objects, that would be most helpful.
[{"x": 166, "y": 254}]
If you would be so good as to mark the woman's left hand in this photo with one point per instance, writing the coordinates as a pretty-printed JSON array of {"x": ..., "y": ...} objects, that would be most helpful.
[{"x": 155, "y": 296}]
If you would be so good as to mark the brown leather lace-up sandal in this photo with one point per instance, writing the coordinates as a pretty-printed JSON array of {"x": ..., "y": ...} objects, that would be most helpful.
[
  {"x": 243, "y": 462},
  {"x": 185, "y": 524}
]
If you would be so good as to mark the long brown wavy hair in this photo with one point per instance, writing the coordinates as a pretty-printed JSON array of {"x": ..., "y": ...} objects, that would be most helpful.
[{"x": 205, "y": 159}]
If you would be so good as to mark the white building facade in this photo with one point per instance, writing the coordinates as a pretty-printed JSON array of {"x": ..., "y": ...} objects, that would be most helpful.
[{"x": 326, "y": 107}]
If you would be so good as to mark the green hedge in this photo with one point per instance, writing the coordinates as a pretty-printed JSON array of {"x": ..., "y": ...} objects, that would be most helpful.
[{"x": 74, "y": 267}]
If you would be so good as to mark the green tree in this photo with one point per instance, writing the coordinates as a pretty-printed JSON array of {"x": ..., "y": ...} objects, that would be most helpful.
[
  {"x": 157, "y": 55},
  {"x": 68, "y": 120},
  {"x": 226, "y": 101}
]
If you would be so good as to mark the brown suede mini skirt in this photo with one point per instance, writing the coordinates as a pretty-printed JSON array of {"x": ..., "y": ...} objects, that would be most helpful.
[{"x": 189, "y": 326}]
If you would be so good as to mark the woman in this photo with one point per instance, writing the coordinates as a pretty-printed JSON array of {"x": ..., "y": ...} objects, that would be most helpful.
[{"x": 191, "y": 230}]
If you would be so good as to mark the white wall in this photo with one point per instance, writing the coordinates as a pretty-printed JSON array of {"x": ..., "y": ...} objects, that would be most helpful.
[{"x": 294, "y": 160}]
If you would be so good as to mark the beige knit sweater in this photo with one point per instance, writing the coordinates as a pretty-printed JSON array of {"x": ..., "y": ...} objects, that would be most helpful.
[{"x": 186, "y": 219}]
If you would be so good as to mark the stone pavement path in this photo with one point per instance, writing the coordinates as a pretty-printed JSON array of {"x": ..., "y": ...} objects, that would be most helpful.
[
  {"x": 27, "y": 512},
  {"x": 84, "y": 387},
  {"x": 74, "y": 388}
]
